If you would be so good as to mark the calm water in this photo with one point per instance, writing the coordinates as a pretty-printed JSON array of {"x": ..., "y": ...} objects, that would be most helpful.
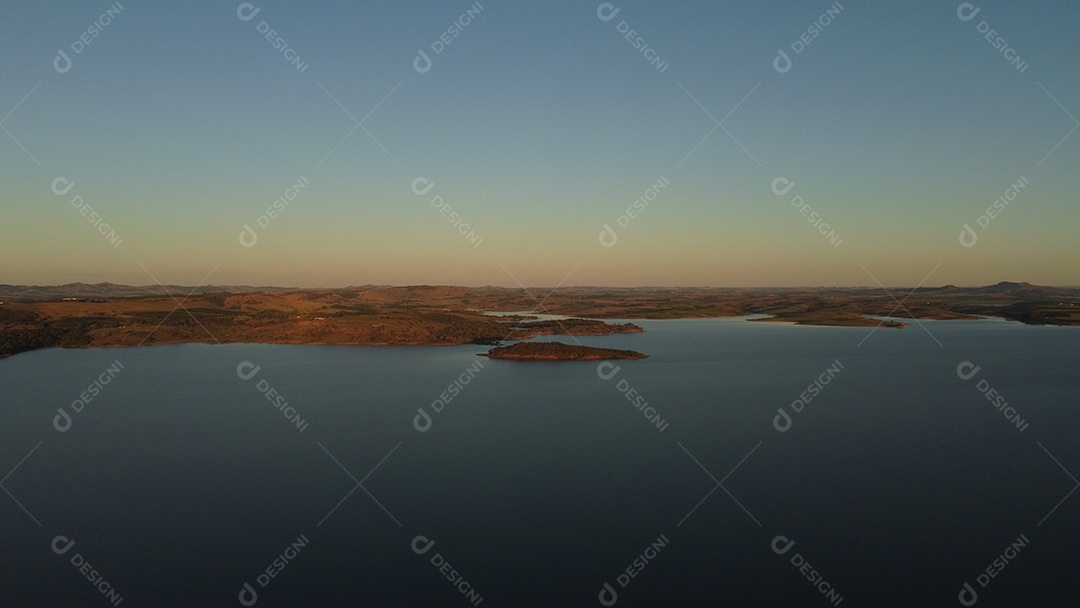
[{"x": 899, "y": 481}]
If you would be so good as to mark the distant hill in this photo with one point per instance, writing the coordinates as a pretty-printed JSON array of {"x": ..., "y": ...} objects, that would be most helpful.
[
  {"x": 1010, "y": 287},
  {"x": 99, "y": 291}
]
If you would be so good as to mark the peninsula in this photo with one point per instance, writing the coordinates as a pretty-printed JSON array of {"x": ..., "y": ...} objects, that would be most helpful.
[{"x": 557, "y": 351}]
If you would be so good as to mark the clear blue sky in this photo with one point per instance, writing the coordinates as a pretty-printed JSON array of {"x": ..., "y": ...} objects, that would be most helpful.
[{"x": 538, "y": 124}]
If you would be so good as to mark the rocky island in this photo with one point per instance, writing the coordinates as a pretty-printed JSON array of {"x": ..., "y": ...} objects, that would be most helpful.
[{"x": 557, "y": 351}]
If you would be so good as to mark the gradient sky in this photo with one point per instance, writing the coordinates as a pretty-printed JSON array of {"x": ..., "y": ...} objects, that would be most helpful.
[{"x": 539, "y": 123}]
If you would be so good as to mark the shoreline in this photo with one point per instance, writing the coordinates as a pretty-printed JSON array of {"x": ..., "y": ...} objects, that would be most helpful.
[
  {"x": 448, "y": 316},
  {"x": 211, "y": 342}
]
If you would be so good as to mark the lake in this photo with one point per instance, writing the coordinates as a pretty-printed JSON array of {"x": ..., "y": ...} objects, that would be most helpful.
[{"x": 744, "y": 463}]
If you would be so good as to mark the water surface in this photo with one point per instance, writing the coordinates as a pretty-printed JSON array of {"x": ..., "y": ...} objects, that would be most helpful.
[{"x": 539, "y": 482}]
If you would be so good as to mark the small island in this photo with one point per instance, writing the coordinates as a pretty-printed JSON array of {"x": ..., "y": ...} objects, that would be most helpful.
[{"x": 557, "y": 351}]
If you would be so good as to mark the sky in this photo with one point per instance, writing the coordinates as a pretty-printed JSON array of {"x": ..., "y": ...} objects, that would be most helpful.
[{"x": 137, "y": 145}]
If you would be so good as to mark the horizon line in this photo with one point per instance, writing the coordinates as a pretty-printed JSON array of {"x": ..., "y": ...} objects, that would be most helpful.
[{"x": 518, "y": 287}]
